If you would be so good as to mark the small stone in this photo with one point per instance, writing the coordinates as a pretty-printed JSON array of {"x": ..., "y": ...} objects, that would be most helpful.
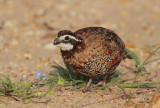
[
  {"x": 39, "y": 32},
  {"x": 114, "y": 26},
  {"x": 72, "y": 13},
  {"x": 27, "y": 56},
  {"x": 62, "y": 7},
  {"x": 14, "y": 42},
  {"x": 24, "y": 76},
  {"x": 8, "y": 24},
  {"x": 30, "y": 33},
  {"x": 40, "y": 12}
]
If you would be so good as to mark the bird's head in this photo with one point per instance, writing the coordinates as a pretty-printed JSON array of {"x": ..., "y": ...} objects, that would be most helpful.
[{"x": 66, "y": 40}]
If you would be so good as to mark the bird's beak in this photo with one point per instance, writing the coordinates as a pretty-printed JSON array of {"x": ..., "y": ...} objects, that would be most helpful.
[{"x": 56, "y": 41}]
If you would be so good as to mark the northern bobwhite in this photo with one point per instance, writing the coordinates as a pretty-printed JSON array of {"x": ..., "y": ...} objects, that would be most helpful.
[{"x": 92, "y": 51}]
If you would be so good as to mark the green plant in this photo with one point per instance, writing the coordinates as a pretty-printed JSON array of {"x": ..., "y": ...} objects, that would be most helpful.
[{"x": 23, "y": 89}]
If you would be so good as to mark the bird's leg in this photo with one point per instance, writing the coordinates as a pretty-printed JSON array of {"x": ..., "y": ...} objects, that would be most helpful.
[
  {"x": 87, "y": 87},
  {"x": 103, "y": 82}
]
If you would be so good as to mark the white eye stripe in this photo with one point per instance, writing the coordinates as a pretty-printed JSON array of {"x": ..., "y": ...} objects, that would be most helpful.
[{"x": 71, "y": 37}]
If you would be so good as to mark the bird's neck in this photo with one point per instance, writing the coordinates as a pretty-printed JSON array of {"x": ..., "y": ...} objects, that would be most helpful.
[{"x": 70, "y": 53}]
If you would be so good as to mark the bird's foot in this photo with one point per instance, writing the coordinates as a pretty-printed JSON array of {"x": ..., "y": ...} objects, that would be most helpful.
[
  {"x": 87, "y": 88},
  {"x": 101, "y": 83}
]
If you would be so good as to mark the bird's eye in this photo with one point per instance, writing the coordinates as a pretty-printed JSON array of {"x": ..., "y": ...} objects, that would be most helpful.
[{"x": 66, "y": 38}]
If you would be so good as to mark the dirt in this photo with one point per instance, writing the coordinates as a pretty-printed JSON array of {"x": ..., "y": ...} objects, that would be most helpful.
[{"x": 28, "y": 28}]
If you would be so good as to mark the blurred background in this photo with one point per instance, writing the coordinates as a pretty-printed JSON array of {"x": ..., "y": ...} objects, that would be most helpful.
[{"x": 28, "y": 28}]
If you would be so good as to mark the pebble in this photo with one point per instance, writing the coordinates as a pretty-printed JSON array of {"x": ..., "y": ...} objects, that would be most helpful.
[
  {"x": 14, "y": 42},
  {"x": 40, "y": 12},
  {"x": 27, "y": 56},
  {"x": 114, "y": 26},
  {"x": 8, "y": 24},
  {"x": 39, "y": 32},
  {"x": 62, "y": 7}
]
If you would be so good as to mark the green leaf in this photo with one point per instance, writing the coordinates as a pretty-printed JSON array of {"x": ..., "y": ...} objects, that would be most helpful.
[
  {"x": 27, "y": 100},
  {"x": 28, "y": 85},
  {"x": 150, "y": 55},
  {"x": 143, "y": 69},
  {"x": 67, "y": 66},
  {"x": 39, "y": 94},
  {"x": 61, "y": 81},
  {"x": 49, "y": 93},
  {"x": 134, "y": 56},
  {"x": 135, "y": 85}
]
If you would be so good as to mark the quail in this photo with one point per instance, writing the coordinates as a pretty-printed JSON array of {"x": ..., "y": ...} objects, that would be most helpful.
[{"x": 92, "y": 51}]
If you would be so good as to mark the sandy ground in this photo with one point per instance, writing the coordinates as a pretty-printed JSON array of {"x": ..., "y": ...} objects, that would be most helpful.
[{"x": 28, "y": 28}]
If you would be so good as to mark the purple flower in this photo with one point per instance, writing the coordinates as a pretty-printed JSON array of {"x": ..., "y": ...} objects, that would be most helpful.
[{"x": 40, "y": 74}]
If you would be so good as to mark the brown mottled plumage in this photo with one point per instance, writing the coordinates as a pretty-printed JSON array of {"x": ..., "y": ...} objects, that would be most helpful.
[{"x": 92, "y": 51}]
